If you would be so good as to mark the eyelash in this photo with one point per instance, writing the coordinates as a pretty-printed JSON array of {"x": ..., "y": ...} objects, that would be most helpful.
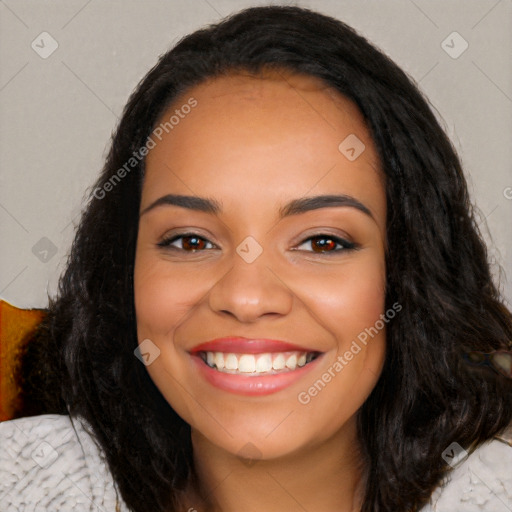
[{"x": 345, "y": 244}]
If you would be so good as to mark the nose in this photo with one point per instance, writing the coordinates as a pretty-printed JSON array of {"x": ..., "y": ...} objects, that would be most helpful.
[{"x": 250, "y": 291}]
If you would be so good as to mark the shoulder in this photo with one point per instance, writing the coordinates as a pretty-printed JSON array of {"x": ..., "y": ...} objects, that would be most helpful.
[
  {"x": 51, "y": 462},
  {"x": 480, "y": 482}
]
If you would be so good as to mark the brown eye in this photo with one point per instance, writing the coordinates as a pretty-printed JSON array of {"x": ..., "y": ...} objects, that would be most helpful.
[
  {"x": 193, "y": 243},
  {"x": 188, "y": 242},
  {"x": 327, "y": 244},
  {"x": 320, "y": 244}
]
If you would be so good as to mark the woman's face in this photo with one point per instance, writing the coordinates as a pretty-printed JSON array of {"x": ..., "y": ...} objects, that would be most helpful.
[{"x": 259, "y": 271}]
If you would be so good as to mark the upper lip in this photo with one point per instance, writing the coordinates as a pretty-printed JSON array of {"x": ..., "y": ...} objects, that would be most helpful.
[{"x": 248, "y": 346}]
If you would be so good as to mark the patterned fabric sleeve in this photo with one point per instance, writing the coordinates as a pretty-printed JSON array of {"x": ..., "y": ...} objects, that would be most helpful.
[
  {"x": 481, "y": 482},
  {"x": 46, "y": 466}
]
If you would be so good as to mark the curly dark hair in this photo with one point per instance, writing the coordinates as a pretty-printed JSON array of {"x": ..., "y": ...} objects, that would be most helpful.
[{"x": 437, "y": 270}]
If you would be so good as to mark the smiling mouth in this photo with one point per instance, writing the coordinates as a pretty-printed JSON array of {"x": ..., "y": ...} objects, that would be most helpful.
[{"x": 268, "y": 363}]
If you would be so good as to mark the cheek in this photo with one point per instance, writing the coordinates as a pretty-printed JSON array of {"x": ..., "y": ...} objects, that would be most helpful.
[
  {"x": 162, "y": 302},
  {"x": 350, "y": 308},
  {"x": 346, "y": 301},
  {"x": 162, "y": 298}
]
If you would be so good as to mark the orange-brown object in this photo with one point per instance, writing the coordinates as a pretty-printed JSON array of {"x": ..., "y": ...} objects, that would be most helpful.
[{"x": 16, "y": 325}]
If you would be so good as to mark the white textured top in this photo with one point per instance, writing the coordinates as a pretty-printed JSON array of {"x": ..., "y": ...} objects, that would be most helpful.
[{"x": 45, "y": 465}]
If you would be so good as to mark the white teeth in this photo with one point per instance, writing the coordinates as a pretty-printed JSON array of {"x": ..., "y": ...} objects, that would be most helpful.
[
  {"x": 247, "y": 363},
  {"x": 257, "y": 363},
  {"x": 291, "y": 362},
  {"x": 231, "y": 362},
  {"x": 218, "y": 360},
  {"x": 279, "y": 362},
  {"x": 264, "y": 363}
]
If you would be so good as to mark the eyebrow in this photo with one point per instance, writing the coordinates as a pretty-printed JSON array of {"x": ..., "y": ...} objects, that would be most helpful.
[
  {"x": 197, "y": 203},
  {"x": 294, "y": 207}
]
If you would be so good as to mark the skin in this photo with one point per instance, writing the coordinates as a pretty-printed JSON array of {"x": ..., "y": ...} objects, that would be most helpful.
[{"x": 253, "y": 144}]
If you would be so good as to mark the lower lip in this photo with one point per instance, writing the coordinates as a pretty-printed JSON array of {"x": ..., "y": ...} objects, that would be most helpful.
[{"x": 251, "y": 385}]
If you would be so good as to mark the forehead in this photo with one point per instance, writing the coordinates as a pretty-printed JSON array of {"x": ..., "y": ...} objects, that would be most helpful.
[
  {"x": 289, "y": 132},
  {"x": 271, "y": 98}
]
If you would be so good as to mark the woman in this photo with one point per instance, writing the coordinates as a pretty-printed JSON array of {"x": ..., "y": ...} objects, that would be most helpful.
[{"x": 275, "y": 297}]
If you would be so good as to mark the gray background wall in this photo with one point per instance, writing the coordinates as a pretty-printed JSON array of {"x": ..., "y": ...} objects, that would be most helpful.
[{"x": 58, "y": 109}]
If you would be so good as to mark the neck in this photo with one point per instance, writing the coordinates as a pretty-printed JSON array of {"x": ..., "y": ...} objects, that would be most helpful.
[{"x": 321, "y": 477}]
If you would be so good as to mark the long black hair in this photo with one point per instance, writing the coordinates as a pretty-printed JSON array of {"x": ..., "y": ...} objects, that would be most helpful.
[{"x": 437, "y": 270}]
